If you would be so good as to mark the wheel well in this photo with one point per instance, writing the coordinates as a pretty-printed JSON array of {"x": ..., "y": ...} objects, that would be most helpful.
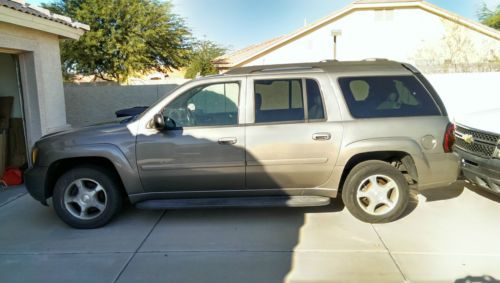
[
  {"x": 399, "y": 159},
  {"x": 58, "y": 168}
]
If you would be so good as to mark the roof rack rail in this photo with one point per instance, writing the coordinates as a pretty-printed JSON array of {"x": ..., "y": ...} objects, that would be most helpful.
[
  {"x": 375, "y": 59},
  {"x": 282, "y": 69}
]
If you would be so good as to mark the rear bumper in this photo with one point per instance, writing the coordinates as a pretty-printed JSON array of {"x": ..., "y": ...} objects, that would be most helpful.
[
  {"x": 481, "y": 171},
  {"x": 34, "y": 179},
  {"x": 443, "y": 170}
]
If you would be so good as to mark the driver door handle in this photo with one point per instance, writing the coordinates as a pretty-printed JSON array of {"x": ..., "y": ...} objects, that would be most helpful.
[
  {"x": 321, "y": 136},
  {"x": 228, "y": 141}
]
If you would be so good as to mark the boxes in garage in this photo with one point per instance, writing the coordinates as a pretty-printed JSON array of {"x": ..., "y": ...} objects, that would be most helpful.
[
  {"x": 3, "y": 151},
  {"x": 5, "y": 111},
  {"x": 16, "y": 145}
]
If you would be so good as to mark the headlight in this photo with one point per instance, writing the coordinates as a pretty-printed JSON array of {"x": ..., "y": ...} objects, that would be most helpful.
[
  {"x": 34, "y": 155},
  {"x": 496, "y": 154}
]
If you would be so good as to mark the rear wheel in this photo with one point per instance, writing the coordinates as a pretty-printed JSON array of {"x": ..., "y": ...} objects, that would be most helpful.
[
  {"x": 87, "y": 197},
  {"x": 376, "y": 192}
]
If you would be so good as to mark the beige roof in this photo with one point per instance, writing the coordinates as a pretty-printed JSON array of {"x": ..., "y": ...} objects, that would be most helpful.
[
  {"x": 253, "y": 52},
  {"x": 247, "y": 52}
]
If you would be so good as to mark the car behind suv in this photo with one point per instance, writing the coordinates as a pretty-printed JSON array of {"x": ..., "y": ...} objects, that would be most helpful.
[
  {"x": 282, "y": 135},
  {"x": 478, "y": 146}
]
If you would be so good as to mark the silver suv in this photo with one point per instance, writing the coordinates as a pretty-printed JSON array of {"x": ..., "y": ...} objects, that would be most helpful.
[{"x": 282, "y": 135}]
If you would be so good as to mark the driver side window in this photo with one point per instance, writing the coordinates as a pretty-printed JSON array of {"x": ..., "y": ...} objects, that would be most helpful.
[{"x": 206, "y": 105}]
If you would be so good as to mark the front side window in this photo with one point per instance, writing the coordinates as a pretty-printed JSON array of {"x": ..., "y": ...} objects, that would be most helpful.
[
  {"x": 387, "y": 96},
  {"x": 206, "y": 105}
]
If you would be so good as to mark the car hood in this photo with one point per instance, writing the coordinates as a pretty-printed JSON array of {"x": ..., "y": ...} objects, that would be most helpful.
[
  {"x": 488, "y": 120},
  {"x": 111, "y": 133}
]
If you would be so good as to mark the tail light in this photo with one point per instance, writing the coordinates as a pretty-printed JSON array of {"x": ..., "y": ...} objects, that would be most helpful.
[{"x": 449, "y": 138}]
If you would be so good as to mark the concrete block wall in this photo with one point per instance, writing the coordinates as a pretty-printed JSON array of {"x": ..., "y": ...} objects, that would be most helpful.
[{"x": 88, "y": 104}]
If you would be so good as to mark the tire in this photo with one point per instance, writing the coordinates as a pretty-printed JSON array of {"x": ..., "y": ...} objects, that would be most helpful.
[
  {"x": 87, "y": 197},
  {"x": 376, "y": 192}
]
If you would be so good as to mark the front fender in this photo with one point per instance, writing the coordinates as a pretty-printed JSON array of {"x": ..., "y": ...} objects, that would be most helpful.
[{"x": 126, "y": 170}]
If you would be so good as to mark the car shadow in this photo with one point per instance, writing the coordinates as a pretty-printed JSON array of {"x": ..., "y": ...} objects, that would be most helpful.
[
  {"x": 444, "y": 193},
  {"x": 437, "y": 194},
  {"x": 477, "y": 279},
  {"x": 483, "y": 192}
]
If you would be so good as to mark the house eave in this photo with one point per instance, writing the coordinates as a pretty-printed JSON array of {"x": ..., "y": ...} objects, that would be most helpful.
[
  {"x": 368, "y": 6},
  {"x": 12, "y": 16}
]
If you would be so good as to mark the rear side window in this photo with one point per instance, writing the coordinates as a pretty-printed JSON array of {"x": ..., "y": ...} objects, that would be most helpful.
[
  {"x": 387, "y": 96},
  {"x": 278, "y": 101},
  {"x": 286, "y": 100},
  {"x": 315, "y": 109}
]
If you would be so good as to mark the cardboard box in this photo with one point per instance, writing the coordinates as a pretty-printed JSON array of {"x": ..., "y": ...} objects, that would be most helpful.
[
  {"x": 5, "y": 111},
  {"x": 3, "y": 151},
  {"x": 16, "y": 144}
]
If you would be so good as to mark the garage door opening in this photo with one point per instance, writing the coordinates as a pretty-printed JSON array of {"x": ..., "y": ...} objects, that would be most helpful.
[{"x": 13, "y": 151}]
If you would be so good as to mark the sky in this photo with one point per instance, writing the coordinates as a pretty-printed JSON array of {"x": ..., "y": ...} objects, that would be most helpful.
[{"x": 236, "y": 24}]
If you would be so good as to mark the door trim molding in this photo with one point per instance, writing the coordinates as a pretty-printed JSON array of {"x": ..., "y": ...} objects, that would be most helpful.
[{"x": 297, "y": 161}]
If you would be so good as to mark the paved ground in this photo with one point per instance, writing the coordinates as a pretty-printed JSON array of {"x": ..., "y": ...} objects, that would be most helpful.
[{"x": 450, "y": 236}]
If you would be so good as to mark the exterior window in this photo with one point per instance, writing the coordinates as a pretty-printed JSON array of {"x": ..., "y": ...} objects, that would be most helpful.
[
  {"x": 207, "y": 105},
  {"x": 315, "y": 109},
  {"x": 278, "y": 101},
  {"x": 387, "y": 96}
]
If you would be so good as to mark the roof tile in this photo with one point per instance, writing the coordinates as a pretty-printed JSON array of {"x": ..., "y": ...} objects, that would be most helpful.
[{"x": 22, "y": 6}]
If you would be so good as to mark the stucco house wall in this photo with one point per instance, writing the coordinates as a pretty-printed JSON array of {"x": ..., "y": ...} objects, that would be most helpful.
[
  {"x": 398, "y": 34},
  {"x": 47, "y": 79},
  {"x": 29, "y": 45},
  {"x": 42, "y": 85}
]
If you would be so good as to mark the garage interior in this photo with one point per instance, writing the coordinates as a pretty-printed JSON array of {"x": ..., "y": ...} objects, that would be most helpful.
[{"x": 12, "y": 134}]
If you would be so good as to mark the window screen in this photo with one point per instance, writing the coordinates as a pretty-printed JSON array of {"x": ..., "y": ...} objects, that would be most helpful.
[{"x": 387, "y": 96}]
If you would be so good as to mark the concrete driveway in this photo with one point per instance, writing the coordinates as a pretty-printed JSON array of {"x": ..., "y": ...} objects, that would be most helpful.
[{"x": 450, "y": 235}]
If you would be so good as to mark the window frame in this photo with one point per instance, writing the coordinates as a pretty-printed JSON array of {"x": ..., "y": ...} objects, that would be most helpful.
[
  {"x": 303, "y": 79},
  {"x": 203, "y": 86}
]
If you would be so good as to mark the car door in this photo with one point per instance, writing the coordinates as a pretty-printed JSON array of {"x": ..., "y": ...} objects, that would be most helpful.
[
  {"x": 205, "y": 150},
  {"x": 293, "y": 142}
]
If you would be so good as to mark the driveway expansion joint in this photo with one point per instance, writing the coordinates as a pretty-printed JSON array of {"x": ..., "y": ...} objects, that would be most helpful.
[
  {"x": 12, "y": 199},
  {"x": 390, "y": 254},
  {"x": 139, "y": 247}
]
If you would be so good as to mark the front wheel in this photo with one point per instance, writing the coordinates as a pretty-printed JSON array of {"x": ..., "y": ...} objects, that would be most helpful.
[
  {"x": 376, "y": 192},
  {"x": 87, "y": 197}
]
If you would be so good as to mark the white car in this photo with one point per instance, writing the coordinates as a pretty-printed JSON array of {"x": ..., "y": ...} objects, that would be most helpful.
[{"x": 478, "y": 145}]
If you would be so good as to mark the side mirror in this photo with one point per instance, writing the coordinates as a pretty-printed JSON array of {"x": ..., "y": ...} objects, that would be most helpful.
[{"x": 159, "y": 122}]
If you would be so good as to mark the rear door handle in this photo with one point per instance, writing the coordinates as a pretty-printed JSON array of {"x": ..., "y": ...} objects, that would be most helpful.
[
  {"x": 322, "y": 136},
  {"x": 228, "y": 140}
]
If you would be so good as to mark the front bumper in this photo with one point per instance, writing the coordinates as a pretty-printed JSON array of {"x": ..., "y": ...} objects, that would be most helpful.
[
  {"x": 481, "y": 171},
  {"x": 35, "y": 181}
]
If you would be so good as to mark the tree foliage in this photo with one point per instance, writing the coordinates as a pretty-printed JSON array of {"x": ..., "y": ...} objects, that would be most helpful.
[
  {"x": 125, "y": 37},
  {"x": 200, "y": 63},
  {"x": 489, "y": 17}
]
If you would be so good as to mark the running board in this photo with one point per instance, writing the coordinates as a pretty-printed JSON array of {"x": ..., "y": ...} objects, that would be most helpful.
[{"x": 291, "y": 201}]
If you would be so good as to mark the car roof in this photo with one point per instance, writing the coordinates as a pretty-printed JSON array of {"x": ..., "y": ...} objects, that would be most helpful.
[{"x": 323, "y": 66}]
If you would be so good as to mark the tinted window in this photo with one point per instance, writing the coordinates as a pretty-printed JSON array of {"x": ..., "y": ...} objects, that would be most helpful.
[
  {"x": 208, "y": 105},
  {"x": 387, "y": 96},
  {"x": 315, "y": 110},
  {"x": 278, "y": 101}
]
